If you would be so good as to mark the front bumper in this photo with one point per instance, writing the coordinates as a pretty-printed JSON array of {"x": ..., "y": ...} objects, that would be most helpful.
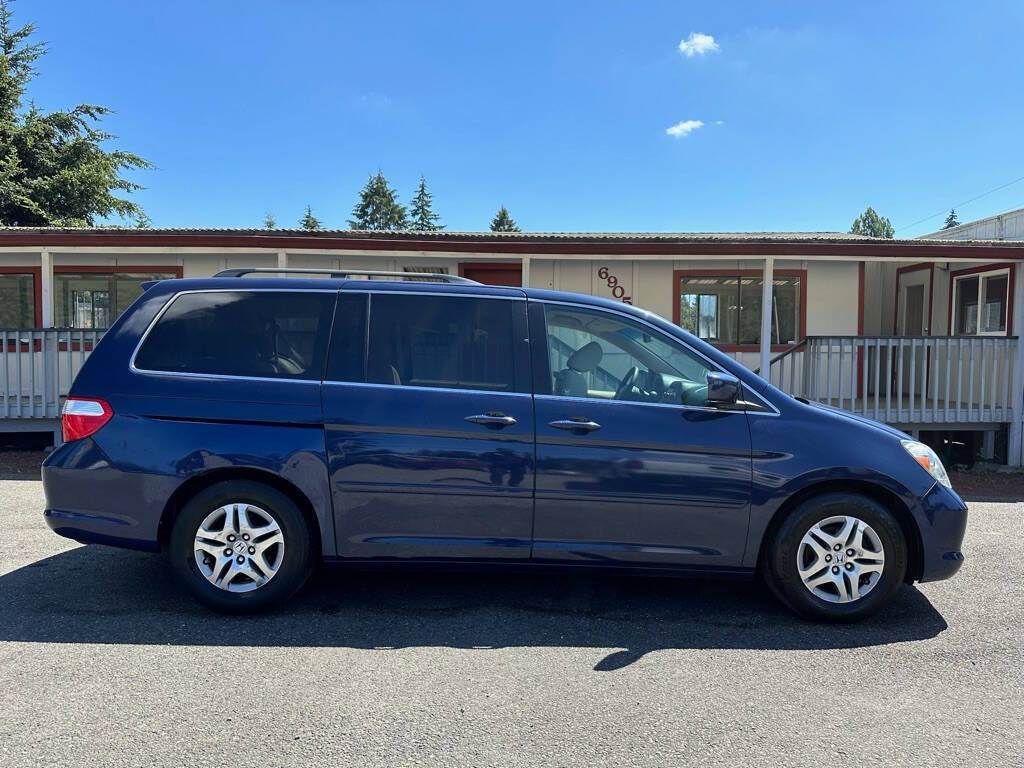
[{"x": 942, "y": 522}]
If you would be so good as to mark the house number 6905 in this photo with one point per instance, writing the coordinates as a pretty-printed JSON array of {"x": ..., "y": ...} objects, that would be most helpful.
[{"x": 613, "y": 282}]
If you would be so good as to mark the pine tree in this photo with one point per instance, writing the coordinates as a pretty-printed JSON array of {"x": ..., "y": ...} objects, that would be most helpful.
[
  {"x": 54, "y": 170},
  {"x": 422, "y": 216},
  {"x": 870, "y": 224},
  {"x": 502, "y": 222},
  {"x": 378, "y": 207},
  {"x": 269, "y": 222},
  {"x": 951, "y": 220},
  {"x": 309, "y": 221}
]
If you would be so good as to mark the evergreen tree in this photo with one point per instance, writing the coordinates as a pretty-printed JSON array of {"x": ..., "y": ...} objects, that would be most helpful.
[
  {"x": 422, "y": 216},
  {"x": 870, "y": 224},
  {"x": 309, "y": 221},
  {"x": 502, "y": 222},
  {"x": 269, "y": 222},
  {"x": 951, "y": 220},
  {"x": 53, "y": 168},
  {"x": 378, "y": 207}
]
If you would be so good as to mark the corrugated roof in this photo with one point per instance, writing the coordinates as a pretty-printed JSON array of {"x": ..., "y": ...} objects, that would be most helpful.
[
  {"x": 451, "y": 235},
  {"x": 613, "y": 244}
]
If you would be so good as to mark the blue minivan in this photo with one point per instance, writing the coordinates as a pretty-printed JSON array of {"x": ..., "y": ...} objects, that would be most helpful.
[{"x": 254, "y": 428}]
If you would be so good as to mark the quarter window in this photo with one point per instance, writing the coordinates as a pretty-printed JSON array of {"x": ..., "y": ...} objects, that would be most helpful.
[
  {"x": 597, "y": 355},
  {"x": 267, "y": 334},
  {"x": 441, "y": 341}
]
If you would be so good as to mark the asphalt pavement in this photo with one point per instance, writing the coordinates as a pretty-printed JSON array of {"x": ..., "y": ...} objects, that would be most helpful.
[{"x": 104, "y": 661}]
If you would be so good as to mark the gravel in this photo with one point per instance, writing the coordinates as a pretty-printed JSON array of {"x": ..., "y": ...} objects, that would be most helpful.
[{"x": 105, "y": 662}]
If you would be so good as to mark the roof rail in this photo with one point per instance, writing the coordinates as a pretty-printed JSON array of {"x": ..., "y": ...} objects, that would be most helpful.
[{"x": 345, "y": 273}]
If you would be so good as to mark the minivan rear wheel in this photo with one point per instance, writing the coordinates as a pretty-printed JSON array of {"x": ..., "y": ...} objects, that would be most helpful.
[
  {"x": 837, "y": 557},
  {"x": 240, "y": 546}
]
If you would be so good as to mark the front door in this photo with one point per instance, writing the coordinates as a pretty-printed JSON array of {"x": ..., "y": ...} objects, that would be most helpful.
[
  {"x": 913, "y": 297},
  {"x": 429, "y": 425},
  {"x": 632, "y": 467}
]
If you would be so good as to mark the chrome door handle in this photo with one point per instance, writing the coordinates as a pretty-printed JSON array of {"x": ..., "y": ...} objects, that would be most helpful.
[
  {"x": 493, "y": 419},
  {"x": 575, "y": 425}
]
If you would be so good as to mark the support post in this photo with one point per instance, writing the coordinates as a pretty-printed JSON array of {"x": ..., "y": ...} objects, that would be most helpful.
[
  {"x": 282, "y": 260},
  {"x": 46, "y": 289},
  {"x": 1016, "y": 428},
  {"x": 767, "y": 290},
  {"x": 526, "y": 271}
]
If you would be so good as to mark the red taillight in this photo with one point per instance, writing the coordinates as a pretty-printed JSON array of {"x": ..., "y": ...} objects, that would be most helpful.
[{"x": 83, "y": 416}]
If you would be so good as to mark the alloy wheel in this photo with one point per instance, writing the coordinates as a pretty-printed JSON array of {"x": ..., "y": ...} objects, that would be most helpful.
[{"x": 239, "y": 547}]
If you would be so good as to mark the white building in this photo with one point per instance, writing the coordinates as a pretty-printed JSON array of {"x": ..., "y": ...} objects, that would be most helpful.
[
  {"x": 1003, "y": 226},
  {"x": 918, "y": 333}
]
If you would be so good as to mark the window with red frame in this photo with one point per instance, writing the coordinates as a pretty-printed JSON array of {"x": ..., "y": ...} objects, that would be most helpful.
[
  {"x": 17, "y": 300},
  {"x": 726, "y": 309}
]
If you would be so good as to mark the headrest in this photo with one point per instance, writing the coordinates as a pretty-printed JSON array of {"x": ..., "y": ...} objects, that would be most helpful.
[{"x": 586, "y": 358}]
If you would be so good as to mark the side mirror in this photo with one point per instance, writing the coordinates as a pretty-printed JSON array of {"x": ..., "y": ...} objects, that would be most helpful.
[{"x": 723, "y": 388}]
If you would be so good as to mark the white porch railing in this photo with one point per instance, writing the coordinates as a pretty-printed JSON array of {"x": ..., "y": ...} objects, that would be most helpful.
[
  {"x": 904, "y": 379},
  {"x": 37, "y": 367},
  {"x": 896, "y": 379}
]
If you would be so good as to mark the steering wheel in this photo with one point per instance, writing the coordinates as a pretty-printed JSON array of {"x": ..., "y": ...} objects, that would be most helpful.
[{"x": 627, "y": 382}]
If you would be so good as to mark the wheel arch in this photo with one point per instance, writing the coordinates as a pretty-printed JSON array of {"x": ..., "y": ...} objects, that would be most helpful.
[
  {"x": 204, "y": 480},
  {"x": 875, "y": 491}
]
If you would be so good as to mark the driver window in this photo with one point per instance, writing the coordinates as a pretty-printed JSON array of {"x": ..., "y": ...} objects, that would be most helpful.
[{"x": 599, "y": 355}]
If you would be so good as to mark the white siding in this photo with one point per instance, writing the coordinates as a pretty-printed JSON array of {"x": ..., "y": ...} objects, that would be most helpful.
[{"x": 1005, "y": 226}]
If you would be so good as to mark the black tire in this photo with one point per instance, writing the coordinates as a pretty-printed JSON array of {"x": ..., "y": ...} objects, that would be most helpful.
[
  {"x": 780, "y": 569},
  {"x": 296, "y": 563}
]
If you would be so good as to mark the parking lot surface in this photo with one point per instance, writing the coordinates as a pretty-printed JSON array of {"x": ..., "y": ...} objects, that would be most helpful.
[{"x": 105, "y": 662}]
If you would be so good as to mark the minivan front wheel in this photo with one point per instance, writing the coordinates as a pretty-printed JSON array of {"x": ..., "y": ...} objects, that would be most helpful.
[
  {"x": 241, "y": 546},
  {"x": 837, "y": 557}
]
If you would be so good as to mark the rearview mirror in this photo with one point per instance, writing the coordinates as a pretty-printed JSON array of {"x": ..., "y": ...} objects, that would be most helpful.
[{"x": 723, "y": 388}]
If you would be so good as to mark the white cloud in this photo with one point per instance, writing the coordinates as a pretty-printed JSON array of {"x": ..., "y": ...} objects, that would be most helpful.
[
  {"x": 685, "y": 128},
  {"x": 697, "y": 44},
  {"x": 719, "y": 122}
]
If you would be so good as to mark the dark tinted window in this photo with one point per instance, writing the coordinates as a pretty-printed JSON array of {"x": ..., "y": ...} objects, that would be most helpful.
[
  {"x": 441, "y": 341},
  {"x": 347, "y": 360},
  {"x": 242, "y": 333}
]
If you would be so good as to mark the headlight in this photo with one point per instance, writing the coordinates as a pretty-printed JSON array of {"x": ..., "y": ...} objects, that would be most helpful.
[{"x": 927, "y": 458}]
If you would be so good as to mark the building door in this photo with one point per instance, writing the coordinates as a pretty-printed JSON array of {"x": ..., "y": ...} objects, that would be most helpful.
[
  {"x": 913, "y": 299},
  {"x": 913, "y": 310},
  {"x": 912, "y": 319},
  {"x": 505, "y": 273}
]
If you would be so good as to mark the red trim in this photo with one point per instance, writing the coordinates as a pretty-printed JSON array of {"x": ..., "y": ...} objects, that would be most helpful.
[
  {"x": 801, "y": 273},
  {"x": 860, "y": 297},
  {"x": 37, "y": 287},
  {"x": 977, "y": 271},
  {"x": 860, "y": 326},
  {"x": 530, "y": 244},
  {"x": 931, "y": 294},
  {"x": 510, "y": 266}
]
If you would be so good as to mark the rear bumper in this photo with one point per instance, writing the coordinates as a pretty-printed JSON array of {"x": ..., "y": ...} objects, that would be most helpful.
[
  {"x": 942, "y": 533},
  {"x": 89, "y": 500},
  {"x": 96, "y": 529}
]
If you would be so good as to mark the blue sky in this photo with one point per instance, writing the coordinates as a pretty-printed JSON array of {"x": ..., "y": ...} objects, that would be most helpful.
[{"x": 558, "y": 110}]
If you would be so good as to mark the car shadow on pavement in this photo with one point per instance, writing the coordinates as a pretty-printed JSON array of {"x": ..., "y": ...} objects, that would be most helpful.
[{"x": 100, "y": 595}]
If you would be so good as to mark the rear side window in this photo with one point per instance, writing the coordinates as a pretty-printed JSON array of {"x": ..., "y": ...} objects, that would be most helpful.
[
  {"x": 441, "y": 341},
  {"x": 269, "y": 334}
]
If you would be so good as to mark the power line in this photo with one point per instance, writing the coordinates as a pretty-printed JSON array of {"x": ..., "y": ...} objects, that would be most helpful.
[{"x": 960, "y": 205}]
